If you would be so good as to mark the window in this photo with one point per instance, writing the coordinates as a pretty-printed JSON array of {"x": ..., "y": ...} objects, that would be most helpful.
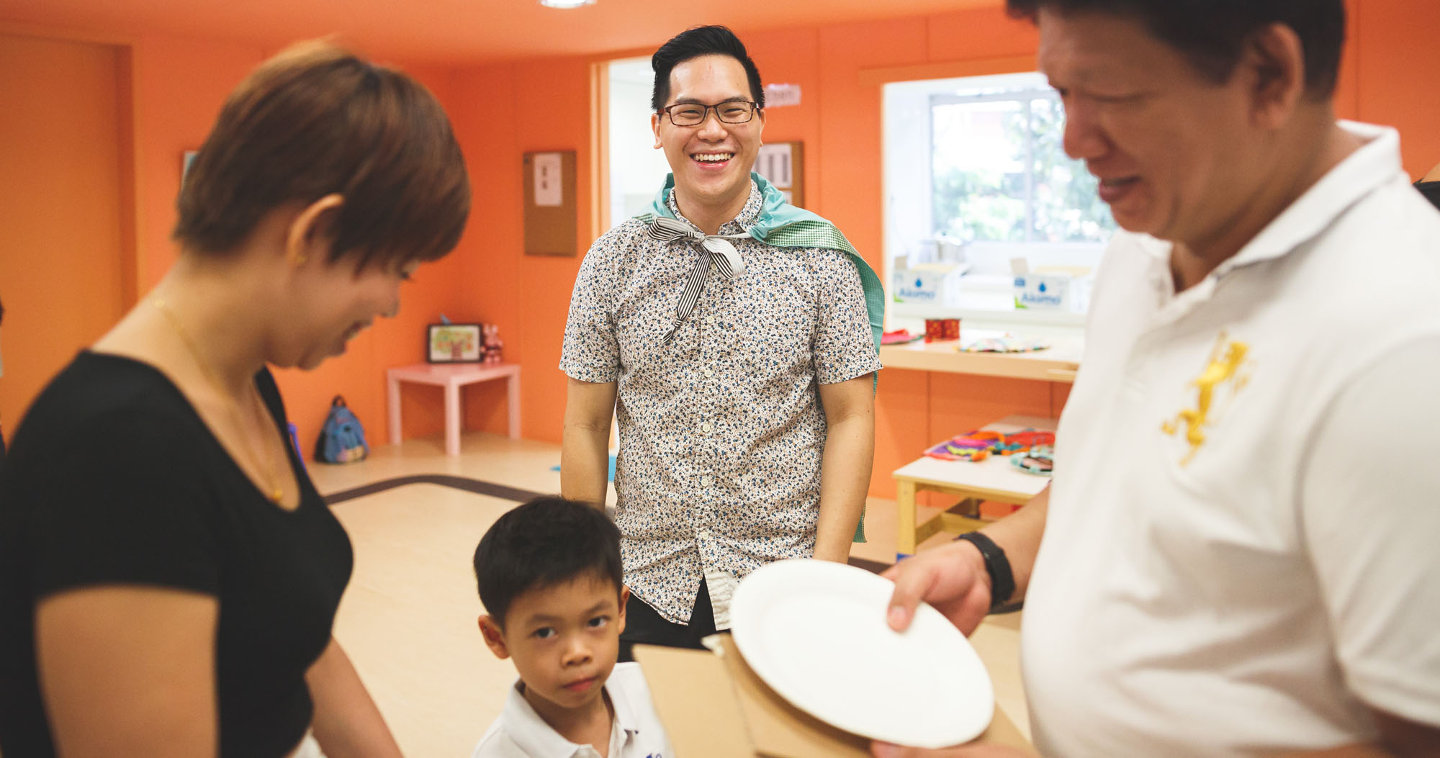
[
  {"x": 636, "y": 168},
  {"x": 976, "y": 164}
]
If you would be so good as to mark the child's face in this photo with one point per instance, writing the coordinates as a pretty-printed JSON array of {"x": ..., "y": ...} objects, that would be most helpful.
[{"x": 564, "y": 639}]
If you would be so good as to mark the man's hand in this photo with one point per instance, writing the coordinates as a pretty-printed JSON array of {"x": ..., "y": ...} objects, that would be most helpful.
[{"x": 951, "y": 578}]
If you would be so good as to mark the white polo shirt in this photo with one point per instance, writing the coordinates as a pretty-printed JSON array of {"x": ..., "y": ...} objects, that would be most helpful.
[
  {"x": 1255, "y": 584},
  {"x": 635, "y": 732}
]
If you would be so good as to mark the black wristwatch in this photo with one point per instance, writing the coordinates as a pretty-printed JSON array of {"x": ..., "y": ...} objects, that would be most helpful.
[{"x": 1002, "y": 580}]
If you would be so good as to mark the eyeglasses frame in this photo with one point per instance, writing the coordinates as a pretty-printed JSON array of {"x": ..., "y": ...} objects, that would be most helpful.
[{"x": 754, "y": 108}]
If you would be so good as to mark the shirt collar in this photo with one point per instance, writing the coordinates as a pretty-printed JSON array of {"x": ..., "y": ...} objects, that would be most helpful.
[
  {"x": 539, "y": 740},
  {"x": 742, "y": 221}
]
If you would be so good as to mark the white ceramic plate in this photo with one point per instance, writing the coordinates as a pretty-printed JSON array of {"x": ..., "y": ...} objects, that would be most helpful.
[{"x": 815, "y": 632}]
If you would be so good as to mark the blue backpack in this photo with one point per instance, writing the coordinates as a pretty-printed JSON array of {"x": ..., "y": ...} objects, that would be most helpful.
[{"x": 342, "y": 439}]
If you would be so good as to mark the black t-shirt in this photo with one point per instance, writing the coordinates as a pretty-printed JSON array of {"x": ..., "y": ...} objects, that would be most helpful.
[{"x": 113, "y": 478}]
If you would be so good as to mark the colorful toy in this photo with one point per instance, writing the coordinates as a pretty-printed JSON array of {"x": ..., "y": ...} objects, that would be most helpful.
[
  {"x": 1039, "y": 461},
  {"x": 979, "y": 444},
  {"x": 960, "y": 449},
  {"x": 493, "y": 347}
]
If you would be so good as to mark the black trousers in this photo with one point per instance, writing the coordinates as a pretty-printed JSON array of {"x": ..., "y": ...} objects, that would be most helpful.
[{"x": 645, "y": 626}]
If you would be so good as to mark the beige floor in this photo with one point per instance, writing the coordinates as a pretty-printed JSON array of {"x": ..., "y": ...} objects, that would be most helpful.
[{"x": 408, "y": 618}]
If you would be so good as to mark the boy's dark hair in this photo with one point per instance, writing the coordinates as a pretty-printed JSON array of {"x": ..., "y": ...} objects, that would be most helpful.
[
  {"x": 544, "y": 542},
  {"x": 693, "y": 43},
  {"x": 315, "y": 120},
  {"x": 1212, "y": 33}
]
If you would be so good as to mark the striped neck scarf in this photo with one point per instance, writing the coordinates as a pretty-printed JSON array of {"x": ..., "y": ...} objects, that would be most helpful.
[{"x": 722, "y": 254}]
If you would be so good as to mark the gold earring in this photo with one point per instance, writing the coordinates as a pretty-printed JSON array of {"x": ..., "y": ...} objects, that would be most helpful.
[{"x": 301, "y": 259}]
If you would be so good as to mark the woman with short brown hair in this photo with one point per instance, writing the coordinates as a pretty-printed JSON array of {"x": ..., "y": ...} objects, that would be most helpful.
[{"x": 169, "y": 575}]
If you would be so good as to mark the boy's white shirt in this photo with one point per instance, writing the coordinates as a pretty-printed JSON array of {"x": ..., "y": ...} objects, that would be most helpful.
[{"x": 635, "y": 732}]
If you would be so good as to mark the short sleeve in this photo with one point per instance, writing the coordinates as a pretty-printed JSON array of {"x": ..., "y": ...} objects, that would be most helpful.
[
  {"x": 844, "y": 346},
  {"x": 124, "y": 503},
  {"x": 590, "y": 352},
  {"x": 1371, "y": 517}
]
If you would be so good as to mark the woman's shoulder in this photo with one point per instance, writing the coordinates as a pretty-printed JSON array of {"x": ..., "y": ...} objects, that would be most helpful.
[{"x": 102, "y": 390}]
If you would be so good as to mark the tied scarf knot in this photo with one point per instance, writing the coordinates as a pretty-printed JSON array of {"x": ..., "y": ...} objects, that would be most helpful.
[{"x": 719, "y": 249}]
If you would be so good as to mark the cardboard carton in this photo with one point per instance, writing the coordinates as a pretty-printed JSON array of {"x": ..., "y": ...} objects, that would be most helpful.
[
  {"x": 1054, "y": 288},
  {"x": 928, "y": 283},
  {"x": 714, "y": 706}
]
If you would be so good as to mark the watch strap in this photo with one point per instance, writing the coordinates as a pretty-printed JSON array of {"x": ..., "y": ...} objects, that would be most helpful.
[{"x": 1002, "y": 579}]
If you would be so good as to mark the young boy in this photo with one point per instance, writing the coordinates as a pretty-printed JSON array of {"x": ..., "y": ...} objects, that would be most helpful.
[{"x": 549, "y": 576}]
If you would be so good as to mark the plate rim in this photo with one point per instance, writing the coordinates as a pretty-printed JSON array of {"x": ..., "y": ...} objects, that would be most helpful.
[{"x": 741, "y": 625}]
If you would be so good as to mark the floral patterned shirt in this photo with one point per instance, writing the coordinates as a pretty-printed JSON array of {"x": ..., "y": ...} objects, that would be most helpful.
[{"x": 721, "y": 429}]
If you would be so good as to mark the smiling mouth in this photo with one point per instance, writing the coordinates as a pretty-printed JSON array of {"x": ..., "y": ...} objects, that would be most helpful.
[{"x": 712, "y": 157}]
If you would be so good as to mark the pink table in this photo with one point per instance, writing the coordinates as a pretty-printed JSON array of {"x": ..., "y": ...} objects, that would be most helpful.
[{"x": 452, "y": 376}]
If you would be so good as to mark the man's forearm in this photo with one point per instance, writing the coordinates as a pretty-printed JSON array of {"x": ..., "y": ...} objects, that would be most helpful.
[
  {"x": 585, "y": 464},
  {"x": 844, "y": 480},
  {"x": 1019, "y": 536}
]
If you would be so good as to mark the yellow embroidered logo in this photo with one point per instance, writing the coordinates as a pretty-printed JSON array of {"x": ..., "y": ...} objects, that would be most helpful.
[{"x": 1224, "y": 367}]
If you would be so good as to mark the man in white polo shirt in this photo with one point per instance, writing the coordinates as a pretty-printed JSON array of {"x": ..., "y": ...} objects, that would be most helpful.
[{"x": 1238, "y": 553}]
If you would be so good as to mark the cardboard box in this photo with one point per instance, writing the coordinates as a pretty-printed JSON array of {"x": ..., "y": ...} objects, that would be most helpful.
[
  {"x": 928, "y": 283},
  {"x": 1052, "y": 291},
  {"x": 715, "y": 706}
]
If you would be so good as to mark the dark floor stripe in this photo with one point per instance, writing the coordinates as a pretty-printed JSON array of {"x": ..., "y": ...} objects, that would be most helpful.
[
  {"x": 494, "y": 490},
  {"x": 458, "y": 482}
]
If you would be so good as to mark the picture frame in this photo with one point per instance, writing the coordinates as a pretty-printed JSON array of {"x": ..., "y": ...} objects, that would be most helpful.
[
  {"x": 551, "y": 202},
  {"x": 454, "y": 343}
]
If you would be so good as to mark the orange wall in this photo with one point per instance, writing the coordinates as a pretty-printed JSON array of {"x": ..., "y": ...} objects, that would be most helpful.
[
  {"x": 503, "y": 110},
  {"x": 1397, "y": 72},
  {"x": 62, "y": 244}
]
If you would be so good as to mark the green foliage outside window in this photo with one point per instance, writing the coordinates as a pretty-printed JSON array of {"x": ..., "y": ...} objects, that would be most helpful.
[{"x": 984, "y": 195}]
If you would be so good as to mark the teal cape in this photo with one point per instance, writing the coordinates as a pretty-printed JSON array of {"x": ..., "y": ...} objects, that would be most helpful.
[{"x": 783, "y": 225}]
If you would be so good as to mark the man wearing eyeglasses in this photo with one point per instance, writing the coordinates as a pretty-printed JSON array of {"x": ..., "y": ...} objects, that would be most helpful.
[{"x": 735, "y": 338}]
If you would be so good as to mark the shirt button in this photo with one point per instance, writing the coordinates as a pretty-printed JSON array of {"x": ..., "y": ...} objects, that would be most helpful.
[
  {"x": 703, "y": 534},
  {"x": 707, "y": 427},
  {"x": 708, "y": 372},
  {"x": 707, "y": 480}
]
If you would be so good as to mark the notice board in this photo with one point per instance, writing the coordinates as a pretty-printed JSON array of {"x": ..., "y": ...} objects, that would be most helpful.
[
  {"x": 783, "y": 164},
  {"x": 550, "y": 202}
]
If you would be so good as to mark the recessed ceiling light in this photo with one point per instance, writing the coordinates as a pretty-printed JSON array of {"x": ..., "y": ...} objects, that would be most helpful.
[{"x": 566, "y": 3}]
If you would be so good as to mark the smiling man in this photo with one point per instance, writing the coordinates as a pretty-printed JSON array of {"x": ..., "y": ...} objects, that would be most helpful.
[
  {"x": 734, "y": 337},
  {"x": 1232, "y": 563}
]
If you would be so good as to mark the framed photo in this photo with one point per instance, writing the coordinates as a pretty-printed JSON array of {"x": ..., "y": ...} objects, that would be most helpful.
[{"x": 454, "y": 343}]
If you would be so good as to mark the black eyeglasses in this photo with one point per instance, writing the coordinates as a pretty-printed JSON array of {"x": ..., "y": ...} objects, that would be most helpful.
[{"x": 693, "y": 114}]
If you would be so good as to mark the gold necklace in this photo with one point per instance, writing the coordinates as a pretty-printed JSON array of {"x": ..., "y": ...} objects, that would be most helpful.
[{"x": 275, "y": 492}]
